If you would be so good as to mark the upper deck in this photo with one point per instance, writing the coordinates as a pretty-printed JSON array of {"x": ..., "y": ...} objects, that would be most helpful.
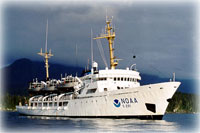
[
  {"x": 110, "y": 80},
  {"x": 125, "y": 73}
]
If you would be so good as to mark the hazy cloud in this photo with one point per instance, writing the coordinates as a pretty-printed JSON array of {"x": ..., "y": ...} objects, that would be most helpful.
[{"x": 160, "y": 35}]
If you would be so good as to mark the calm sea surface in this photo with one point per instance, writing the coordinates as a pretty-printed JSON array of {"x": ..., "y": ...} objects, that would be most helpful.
[{"x": 12, "y": 122}]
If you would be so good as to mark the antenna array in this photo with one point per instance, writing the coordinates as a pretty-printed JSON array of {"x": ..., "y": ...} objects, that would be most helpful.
[{"x": 46, "y": 54}]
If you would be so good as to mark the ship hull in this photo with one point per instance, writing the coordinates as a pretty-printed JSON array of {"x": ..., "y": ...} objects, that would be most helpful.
[{"x": 144, "y": 102}]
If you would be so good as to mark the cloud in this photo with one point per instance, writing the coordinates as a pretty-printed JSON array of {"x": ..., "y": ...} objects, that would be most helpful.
[{"x": 157, "y": 33}]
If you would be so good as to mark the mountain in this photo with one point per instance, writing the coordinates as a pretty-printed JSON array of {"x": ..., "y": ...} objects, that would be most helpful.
[{"x": 18, "y": 75}]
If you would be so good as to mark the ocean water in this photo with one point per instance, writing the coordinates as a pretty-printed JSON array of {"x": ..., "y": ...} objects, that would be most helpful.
[{"x": 12, "y": 122}]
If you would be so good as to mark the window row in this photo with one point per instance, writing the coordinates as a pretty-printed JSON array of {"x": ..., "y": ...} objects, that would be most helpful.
[
  {"x": 50, "y": 104},
  {"x": 119, "y": 79},
  {"x": 121, "y": 87},
  {"x": 125, "y": 79}
]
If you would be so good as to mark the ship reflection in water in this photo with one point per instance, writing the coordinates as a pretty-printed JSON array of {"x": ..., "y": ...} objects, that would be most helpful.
[
  {"x": 114, "y": 125},
  {"x": 170, "y": 123}
]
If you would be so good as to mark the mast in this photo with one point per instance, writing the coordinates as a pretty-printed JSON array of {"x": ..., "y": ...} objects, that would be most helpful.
[
  {"x": 92, "y": 48},
  {"x": 47, "y": 54},
  {"x": 110, "y": 36},
  {"x": 92, "y": 58}
]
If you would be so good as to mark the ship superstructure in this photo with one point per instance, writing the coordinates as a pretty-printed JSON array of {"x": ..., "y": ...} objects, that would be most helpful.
[{"x": 111, "y": 92}]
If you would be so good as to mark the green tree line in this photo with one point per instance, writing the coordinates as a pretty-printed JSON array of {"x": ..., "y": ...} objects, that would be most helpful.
[
  {"x": 183, "y": 103},
  {"x": 9, "y": 102}
]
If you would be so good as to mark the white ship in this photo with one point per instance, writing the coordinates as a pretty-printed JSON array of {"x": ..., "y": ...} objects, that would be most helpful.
[{"x": 110, "y": 93}]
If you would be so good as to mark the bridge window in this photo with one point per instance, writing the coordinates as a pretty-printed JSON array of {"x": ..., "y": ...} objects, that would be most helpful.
[
  {"x": 44, "y": 104},
  {"x": 50, "y": 104},
  {"x": 124, "y": 79},
  {"x": 134, "y": 80},
  {"x": 39, "y": 104},
  {"x": 65, "y": 103},
  {"x": 60, "y": 104},
  {"x": 55, "y": 104},
  {"x": 101, "y": 79},
  {"x": 91, "y": 91}
]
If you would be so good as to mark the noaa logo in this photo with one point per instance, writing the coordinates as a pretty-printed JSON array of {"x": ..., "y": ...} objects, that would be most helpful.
[
  {"x": 116, "y": 103},
  {"x": 125, "y": 102}
]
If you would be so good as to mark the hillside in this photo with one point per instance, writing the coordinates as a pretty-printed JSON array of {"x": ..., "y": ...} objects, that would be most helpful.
[{"x": 18, "y": 75}]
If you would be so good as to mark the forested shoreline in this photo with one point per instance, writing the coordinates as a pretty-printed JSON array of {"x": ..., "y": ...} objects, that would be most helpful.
[
  {"x": 183, "y": 103},
  {"x": 9, "y": 102},
  {"x": 180, "y": 103}
]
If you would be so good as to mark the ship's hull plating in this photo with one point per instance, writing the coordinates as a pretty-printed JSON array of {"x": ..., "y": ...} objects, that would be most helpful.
[{"x": 144, "y": 102}]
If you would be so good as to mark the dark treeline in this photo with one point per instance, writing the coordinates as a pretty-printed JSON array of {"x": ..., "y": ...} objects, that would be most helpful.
[
  {"x": 183, "y": 103},
  {"x": 9, "y": 102},
  {"x": 180, "y": 103}
]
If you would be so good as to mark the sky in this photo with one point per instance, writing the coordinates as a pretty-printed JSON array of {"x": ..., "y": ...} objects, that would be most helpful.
[{"x": 162, "y": 35}]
